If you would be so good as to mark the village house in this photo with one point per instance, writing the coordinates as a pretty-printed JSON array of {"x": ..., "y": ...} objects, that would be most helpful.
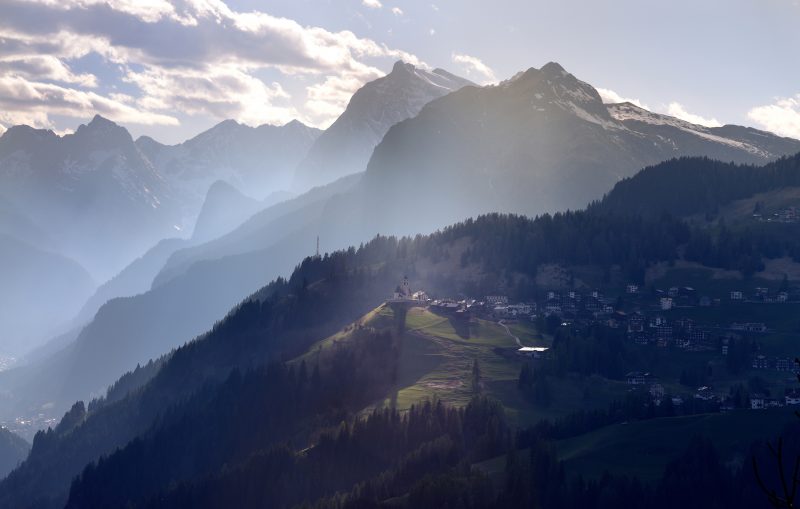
[
  {"x": 637, "y": 378},
  {"x": 632, "y": 289},
  {"x": 496, "y": 300},
  {"x": 760, "y": 362},
  {"x": 757, "y": 402},
  {"x": 784, "y": 364},
  {"x": 657, "y": 392},
  {"x": 792, "y": 397},
  {"x": 705, "y": 394},
  {"x": 737, "y": 295},
  {"x": 749, "y": 327}
]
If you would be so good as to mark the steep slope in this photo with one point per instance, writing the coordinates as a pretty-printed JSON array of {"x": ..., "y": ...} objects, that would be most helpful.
[
  {"x": 13, "y": 451},
  {"x": 260, "y": 160},
  {"x": 225, "y": 208},
  {"x": 345, "y": 147},
  {"x": 40, "y": 291},
  {"x": 93, "y": 184}
]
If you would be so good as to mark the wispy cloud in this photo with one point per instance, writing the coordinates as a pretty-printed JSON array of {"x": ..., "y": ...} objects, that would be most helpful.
[
  {"x": 372, "y": 4},
  {"x": 610, "y": 97},
  {"x": 782, "y": 117},
  {"x": 212, "y": 54},
  {"x": 474, "y": 65},
  {"x": 677, "y": 110},
  {"x": 397, "y": 11}
]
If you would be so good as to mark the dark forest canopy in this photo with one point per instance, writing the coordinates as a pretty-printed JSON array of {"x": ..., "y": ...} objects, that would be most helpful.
[{"x": 696, "y": 185}]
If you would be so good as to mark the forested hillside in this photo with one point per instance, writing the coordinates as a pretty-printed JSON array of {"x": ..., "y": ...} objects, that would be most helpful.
[{"x": 232, "y": 392}]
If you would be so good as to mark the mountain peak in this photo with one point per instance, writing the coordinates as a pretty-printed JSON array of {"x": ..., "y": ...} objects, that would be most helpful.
[
  {"x": 101, "y": 127},
  {"x": 553, "y": 69},
  {"x": 402, "y": 67}
]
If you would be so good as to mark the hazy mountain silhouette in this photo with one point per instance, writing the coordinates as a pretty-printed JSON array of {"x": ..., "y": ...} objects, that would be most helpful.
[{"x": 345, "y": 147}]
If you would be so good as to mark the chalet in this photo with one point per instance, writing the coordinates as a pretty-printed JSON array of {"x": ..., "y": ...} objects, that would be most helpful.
[
  {"x": 784, "y": 364},
  {"x": 500, "y": 300},
  {"x": 657, "y": 392},
  {"x": 636, "y": 323},
  {"x": 737, "y": 295},
  {"x": 760, "y": 362},
  {"x": 792, "y": 397},
  {"x": 749, "y": 327},
  {"x": 637, "y": 378},
  {"x": 705, "y": 394},
  {"x": 534, "y": 352}
]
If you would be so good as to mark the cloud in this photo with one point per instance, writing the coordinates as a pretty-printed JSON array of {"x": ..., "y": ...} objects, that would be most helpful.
[
  {"x": 30, "y": 102},
  {"x": 372, "y": 4},
  {"x": 610, "y": 97},
  {"x": 677, "y": 110},
  {"x": 474, "y": 65},
  {"x": 782, "y": 117},
  {"x": 2, "y": 129},
  {"x": 218, "y": 53},
  {"x": 397, "y": 11}
]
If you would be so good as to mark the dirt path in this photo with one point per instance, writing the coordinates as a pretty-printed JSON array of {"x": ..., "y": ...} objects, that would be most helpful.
[{"x": 508, "y": 331}]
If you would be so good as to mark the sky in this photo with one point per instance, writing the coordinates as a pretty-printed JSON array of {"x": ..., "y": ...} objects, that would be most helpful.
[{"x": 171, "y": 69}]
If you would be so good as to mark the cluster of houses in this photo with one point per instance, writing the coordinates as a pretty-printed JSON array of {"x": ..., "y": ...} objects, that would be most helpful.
[
  {"x": 786, "y": 215},
  {"x": 706, "y": 394}
]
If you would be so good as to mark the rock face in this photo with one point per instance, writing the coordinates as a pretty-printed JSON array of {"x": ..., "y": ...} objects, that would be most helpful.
[
  {"x": 345, "y": 147},
  {"x": 94, "y": 193},
  {"x": 257, "y": 160},
  {"x": 540, "y": 142}
]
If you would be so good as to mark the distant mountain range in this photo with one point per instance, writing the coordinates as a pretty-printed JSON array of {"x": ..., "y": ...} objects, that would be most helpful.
[
  {"x": 261, "y": 159},
  {"x": 346, "y": 146}
]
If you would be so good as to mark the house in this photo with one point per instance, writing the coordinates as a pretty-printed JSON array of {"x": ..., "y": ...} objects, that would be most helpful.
[
  {"x": 759, "y": 362},
  {"x": 673, "y": 291},
  {"x": 496, "y": 300},
  {"x": 725, "y": 345},
  {"x": 782, "y": 297},
  {"x": 632, "y": 288},
  {"x": 637, "y": 378},
  {"x": 705, "y": 301},
  {"x": 704, "y": 394},
  {"x": 666, "y": 303},
  {"x": 757, "y": 402},
  {"x": 749, "y": 327},
  {"x": 792, "y": 397},
  {"x": 534, "y": 352},
  {"x": 737, "y": 295},
  {"x": 784, "y": 364},
  {"x": 636, "y": 324},
  {"x": 657, "y": 392}
]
